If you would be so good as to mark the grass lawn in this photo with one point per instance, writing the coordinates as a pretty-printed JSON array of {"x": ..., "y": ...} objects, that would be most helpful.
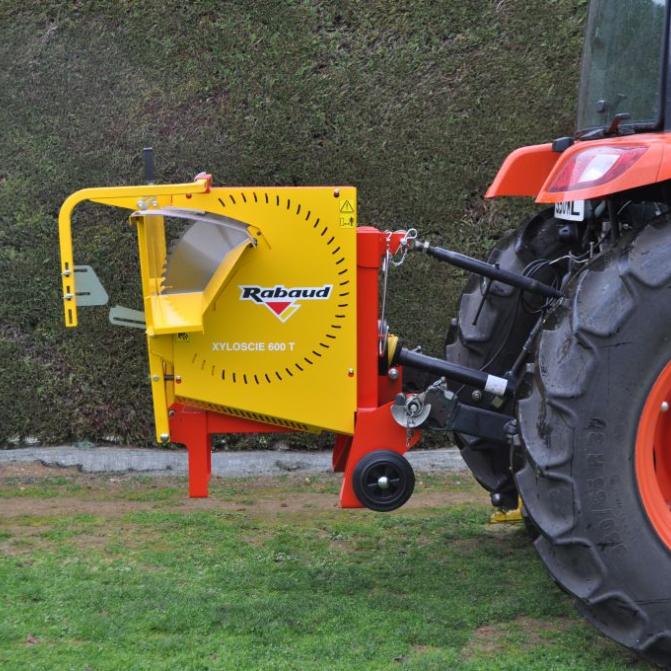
[{"x": 111, "y": 573}]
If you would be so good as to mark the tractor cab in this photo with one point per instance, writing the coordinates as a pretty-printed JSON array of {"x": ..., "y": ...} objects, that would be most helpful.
[
  {"x": 624, "y": 69},
  {"x": 618, "y": 145}
]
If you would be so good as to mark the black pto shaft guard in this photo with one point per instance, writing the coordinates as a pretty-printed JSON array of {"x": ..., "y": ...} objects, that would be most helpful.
[{"x": 492, "y": 384}]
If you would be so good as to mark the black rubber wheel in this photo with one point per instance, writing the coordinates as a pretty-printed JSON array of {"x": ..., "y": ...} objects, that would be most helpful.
[
  {"x": 597, "y": 360},
  {"x": 383, "y": 480},
  {"x": 489, "y": 334}
]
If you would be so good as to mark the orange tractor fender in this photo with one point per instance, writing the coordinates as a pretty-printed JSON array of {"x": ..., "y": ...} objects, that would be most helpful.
[
  {"x": 524, "y": 171},
  {"x": 586, "y": 170}
]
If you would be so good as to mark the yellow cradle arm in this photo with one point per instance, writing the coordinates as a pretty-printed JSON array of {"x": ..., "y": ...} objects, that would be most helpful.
[
  {"x": 165, "y": 314},
  {"x": 128, "y": 197}
]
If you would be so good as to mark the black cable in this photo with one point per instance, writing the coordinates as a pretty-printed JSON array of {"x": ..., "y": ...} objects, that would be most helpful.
[{"x": 535, "y": 267}]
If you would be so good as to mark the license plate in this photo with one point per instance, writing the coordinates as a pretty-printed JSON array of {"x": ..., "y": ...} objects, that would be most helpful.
[{"x": 571, "y": 210}]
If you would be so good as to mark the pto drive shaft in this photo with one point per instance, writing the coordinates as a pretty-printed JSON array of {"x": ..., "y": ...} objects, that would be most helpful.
[{"x": 492, "y": 384}]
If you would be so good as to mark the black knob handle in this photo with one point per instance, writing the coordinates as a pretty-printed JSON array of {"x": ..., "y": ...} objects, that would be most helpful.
[{"x": 148, "y": 157}]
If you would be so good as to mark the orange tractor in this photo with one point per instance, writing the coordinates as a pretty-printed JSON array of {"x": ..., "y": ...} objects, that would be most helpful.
[
  {"x": 592, "y": 370},
  {"x": 556, "y": 376}
]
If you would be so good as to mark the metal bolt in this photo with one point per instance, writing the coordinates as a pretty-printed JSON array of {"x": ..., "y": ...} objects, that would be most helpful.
[
  {"x": 141, "y": 204},
  {"x": 155, "y": 378},
  {"x": 68, "y": 297},
  {"x": 664, "y": 407},
  {"x": 476, "y": 395},
  {"x": 171, "y": 413},
  {"x": 393, "y": 373},
  {"x": 496, "y": 498},
  {"x": 336, "y": 193},
  {"x": 164, "y": 437},
  {"x": 350, "y": 372},
  {"x": 383, "y": 482},
  {"x": 178, "y": 378},
  {"x": 67, "y": 273}
]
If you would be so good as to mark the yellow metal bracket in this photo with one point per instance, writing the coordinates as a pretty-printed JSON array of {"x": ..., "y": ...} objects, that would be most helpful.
[{"x": 507, "y": 516}]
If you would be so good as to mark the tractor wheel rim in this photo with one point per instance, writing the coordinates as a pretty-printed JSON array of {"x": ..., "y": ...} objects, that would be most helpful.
[{"x": 653, "y": 456}]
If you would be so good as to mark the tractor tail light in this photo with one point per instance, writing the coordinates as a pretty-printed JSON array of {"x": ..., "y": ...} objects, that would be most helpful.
[{"x": 595, "y": 166}]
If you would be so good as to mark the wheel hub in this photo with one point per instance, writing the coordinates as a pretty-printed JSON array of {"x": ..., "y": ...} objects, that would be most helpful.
[
  {"x": 383, "y": 480},
  {"x": 653, "y": 456}
]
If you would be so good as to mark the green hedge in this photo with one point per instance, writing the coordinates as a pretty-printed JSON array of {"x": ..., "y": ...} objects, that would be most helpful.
[{"x": 415, "y": 103}]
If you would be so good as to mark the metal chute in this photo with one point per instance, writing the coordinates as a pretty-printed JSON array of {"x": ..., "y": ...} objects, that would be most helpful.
[{"x": 196, "y": 267}]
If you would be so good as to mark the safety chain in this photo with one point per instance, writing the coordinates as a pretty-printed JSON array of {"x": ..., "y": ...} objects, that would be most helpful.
[{"x": 391, "y": 260}]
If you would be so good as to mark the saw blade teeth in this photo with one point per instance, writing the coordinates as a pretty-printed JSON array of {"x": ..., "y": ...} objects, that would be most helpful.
[{"x": 171, "y": 247}]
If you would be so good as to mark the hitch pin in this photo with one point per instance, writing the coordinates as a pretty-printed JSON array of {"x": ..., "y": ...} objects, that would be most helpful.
[{"x": 404, "y": 244}]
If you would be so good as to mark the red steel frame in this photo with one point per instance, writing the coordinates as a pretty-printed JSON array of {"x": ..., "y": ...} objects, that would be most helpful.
[{"x": 374, "y": 427}]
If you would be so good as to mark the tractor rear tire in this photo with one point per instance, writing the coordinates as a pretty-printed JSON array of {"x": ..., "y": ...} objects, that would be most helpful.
[
  {"x": 490, "y": 332},
  {"x": 586, "y": 423}
]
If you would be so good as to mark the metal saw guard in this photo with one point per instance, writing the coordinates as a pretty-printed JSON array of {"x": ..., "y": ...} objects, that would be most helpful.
[{"x": 180, "y": 421}]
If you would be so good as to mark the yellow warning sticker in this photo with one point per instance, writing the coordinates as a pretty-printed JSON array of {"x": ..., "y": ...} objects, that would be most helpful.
[{"x": 347, "y": 214}]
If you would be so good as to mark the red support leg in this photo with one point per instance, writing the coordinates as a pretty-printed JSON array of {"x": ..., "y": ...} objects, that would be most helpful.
[
  {"x": 200, "y": 465},
  {"x": 200, "y": 456},
  {"x": 188, "y": 426},
  {"x": 375, "y": 428}
]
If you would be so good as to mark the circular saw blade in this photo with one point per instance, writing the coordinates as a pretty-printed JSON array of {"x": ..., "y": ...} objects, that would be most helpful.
[{"x": 195, "y": 256}]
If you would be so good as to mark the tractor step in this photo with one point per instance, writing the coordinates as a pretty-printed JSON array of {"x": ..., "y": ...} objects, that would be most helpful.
[{"x": 507, "y": 516}]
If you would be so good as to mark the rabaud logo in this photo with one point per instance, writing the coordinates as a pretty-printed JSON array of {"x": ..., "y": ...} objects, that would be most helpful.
[{"x": 283, "y": 301}]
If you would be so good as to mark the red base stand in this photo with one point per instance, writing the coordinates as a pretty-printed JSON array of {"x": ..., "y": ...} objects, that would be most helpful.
[
  {"x": 375, "y": 430},
  {"x": 194, "y": 428}
]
